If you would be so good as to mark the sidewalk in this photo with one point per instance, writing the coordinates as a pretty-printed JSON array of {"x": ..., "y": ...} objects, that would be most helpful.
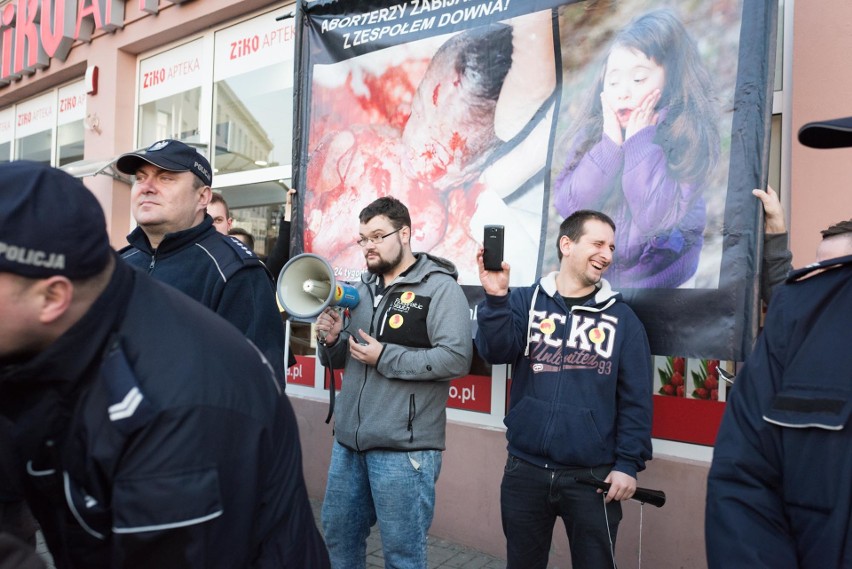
[{"x": 442, "y": 554}]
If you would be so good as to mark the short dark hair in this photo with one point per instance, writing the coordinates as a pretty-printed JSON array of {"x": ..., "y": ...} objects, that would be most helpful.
[
  {"x": 842, "y": 228},
  {"x": 389, "y": 207},
  {"x": 217, "y": 197},
  {"x": 573, "y": 226},
  {"x": 240, "y": 231}
]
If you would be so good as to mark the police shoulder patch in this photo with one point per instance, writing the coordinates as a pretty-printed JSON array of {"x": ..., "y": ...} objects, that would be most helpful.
[{"x": 240, "y": 247}]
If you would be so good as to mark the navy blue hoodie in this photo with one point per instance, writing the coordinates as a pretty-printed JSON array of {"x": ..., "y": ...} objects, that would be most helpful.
[{"x": 581, "y": 379}]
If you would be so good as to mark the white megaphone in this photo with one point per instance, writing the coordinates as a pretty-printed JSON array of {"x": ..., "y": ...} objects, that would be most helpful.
[{"x": 306, "y": 286}]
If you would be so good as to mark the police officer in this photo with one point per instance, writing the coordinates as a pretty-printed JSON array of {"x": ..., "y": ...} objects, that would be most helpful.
[
  {"x": 134, "y": 450},
  {"x": 778, "y": 492},
  {"x": 176, "y": 242}
]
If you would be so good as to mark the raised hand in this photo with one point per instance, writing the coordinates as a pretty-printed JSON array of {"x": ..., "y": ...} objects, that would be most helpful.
[
  {"x": 495, "y": 283},
  {"x": 643, "y": 115}
]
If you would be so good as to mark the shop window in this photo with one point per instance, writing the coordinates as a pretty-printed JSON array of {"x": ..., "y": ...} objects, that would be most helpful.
[
  {"x": 253, "y": 95},
  {"x": 170, "y": 95},
  {"x": 70, "y": 143},
  {"x": 7, "y": 118},
  {"x": 174, "y": 116},
  {"x": 35, "y": 120},
  {"x": 70, "y": 132}
]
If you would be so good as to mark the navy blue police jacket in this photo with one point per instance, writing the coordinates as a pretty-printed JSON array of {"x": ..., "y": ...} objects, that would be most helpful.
[
  {"x": 153, "y": 434},
  {"x": 779, "y": 491},
  {"x": 222, "y": 274}
]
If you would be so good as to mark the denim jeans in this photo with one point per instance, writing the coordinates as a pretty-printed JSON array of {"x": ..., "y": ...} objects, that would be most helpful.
[
  {"x": 395, "y": 488},
  {"x": 530, "y": 500}
]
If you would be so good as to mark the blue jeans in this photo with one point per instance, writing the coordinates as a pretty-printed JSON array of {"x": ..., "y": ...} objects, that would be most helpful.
[
  {"x": 395, "y": 488},
  {"x": 530, "y": 500}
]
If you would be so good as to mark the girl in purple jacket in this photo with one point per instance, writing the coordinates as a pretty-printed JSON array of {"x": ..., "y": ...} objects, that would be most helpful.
[{"x": 642, "y": 150}]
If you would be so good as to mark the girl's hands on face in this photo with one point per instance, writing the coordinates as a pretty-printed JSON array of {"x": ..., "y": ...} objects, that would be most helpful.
[
  {"x": 611, "y": 128},
  {"x": 643, "y": 115}
]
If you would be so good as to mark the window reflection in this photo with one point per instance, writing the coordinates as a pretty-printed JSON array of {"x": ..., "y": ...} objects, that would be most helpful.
[
  {"x": 70, "y": 143},
  {"x": 174, "y": 116},
  {"x": 252, "y": 114},
  {"x": 35, "y": 147}
]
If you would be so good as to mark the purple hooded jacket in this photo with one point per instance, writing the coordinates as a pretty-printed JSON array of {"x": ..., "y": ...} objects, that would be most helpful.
[{"x": 660, "y": 220}]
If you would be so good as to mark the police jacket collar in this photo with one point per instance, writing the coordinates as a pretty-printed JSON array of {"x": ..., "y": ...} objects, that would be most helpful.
[
  {"x": 814, "y": 268},
  {"x": 172, "y": 242}
]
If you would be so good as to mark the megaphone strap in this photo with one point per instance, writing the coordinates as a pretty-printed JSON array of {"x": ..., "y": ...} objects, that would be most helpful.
[{"x": 331, "y": 389}]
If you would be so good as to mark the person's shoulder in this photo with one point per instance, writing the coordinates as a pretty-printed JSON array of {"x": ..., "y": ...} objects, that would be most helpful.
[
  {"x": 827, "y": 269},
  {"x": 229, "y": 254},
  {"x": 160, "y": 321}
]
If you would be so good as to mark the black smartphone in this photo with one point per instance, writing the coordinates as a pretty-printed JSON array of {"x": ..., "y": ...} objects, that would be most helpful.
[{"x": 493, "y": 243}]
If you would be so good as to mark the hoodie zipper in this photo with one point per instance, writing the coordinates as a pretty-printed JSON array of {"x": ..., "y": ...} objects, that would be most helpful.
[{"x": 412, "y": 412}]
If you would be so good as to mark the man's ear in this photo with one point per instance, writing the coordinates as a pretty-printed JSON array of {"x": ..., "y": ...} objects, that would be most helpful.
[
  {"x": 55, "y": 296},
  {"x": 565, "y": 245},
  {"x": 204, "y": 196}
]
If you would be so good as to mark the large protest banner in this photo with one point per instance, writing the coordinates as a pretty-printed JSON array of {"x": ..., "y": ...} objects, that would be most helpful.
[{"x": 517, "y": 113}]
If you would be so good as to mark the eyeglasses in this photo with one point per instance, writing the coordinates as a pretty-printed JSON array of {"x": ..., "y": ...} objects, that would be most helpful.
[{"x": 375, "y": 240}]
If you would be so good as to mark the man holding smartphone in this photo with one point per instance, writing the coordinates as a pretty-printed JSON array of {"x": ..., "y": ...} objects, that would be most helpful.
[
  {"x": 406, "y": 339},
  {"x": 580, "y": 399}
]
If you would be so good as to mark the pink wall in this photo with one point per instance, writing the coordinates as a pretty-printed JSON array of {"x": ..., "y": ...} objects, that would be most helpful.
[{"x": 821, "y": 180}]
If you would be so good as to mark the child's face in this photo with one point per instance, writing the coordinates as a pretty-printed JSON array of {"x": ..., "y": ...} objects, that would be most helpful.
[{"x": 630, "y": 78}]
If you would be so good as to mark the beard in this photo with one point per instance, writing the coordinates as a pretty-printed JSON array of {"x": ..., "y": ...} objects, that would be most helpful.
[{"x": 382, "y": 265}]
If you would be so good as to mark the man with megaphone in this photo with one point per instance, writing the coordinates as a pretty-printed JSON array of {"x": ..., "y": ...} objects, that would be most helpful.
[{"x": 405, "y": 340}]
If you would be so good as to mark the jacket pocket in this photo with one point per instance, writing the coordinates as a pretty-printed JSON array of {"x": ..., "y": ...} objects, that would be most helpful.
[
  {"x": 564, "y": 433},
  {"x": 166, "y": 502},
  {"x": 815, "y": 442}
]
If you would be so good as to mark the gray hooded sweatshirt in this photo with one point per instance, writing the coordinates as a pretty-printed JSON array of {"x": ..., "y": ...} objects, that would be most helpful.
[{"x": 422, "y": 320}]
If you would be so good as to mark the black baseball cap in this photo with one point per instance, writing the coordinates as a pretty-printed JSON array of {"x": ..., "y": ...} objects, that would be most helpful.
[
  {"x": 50, "y": 224},
  {"x": 168, "y": 154},
  {"x": 835, "y": 133}
]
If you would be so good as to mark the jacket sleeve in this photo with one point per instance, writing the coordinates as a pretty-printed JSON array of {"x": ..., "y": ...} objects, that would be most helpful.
[
  {"x": 336, "y": 353},
  {"x": 656, "y": 199},
  {"x": 585, "y": 187},
  {"x": 248, "y": 302},
  {"x": 448, "y": 326},
  {"x": 281, "y": 250},
  {"x": 635, "y": 403},
  {"x": 777, "y": 263},
  {"x": 502, "y": 326},
  {"x": 745, "y": 523}
]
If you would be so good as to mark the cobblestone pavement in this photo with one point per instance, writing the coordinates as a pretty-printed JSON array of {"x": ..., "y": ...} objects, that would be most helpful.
[{"x": 442, "y": 554}]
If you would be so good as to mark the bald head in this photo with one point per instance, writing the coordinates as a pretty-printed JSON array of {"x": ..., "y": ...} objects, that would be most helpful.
[{"x": 836, "y": 241}]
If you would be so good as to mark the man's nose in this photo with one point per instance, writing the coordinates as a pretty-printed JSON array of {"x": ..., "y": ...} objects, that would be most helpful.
[{"x": 144, "y": 186}]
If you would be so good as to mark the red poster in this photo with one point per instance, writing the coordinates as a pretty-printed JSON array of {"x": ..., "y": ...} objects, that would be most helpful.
[
  {"x": 303, "y": 372},
  {"x": 471, "y": 393}
]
